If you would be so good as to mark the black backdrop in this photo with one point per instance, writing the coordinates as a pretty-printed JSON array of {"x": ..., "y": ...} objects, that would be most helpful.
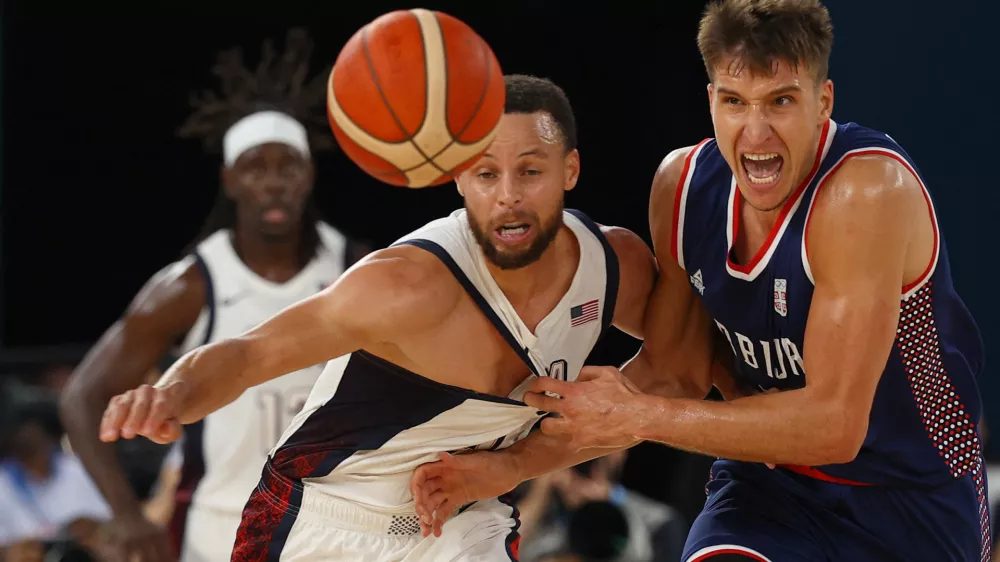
[{"x": 99, "y": 194}]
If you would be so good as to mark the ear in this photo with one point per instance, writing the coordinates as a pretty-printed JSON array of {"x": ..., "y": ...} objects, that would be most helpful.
[
  {"x": 711, "y": 99},
  {"x": 572, "y": 164},
  {"x": 826, "y": 100},
  {"x": 458, "y": 184}
]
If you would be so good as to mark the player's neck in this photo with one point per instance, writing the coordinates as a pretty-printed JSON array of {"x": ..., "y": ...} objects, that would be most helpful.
[
  {"x": 531, "y": 281},
  {"x": 274, "y": 260}
]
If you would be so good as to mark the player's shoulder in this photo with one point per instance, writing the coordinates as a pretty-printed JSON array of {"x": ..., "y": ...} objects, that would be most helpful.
[
  {"x": 626, "y": 244},
  {"x": 182, "y": 280},
  {"x": 171, "y": 300},
  {"x": 669, "y": 173},
  {"x": 405, "y": 273},
  {"x": 663, "y": 192},
  {"x": 868, "y": 183}
]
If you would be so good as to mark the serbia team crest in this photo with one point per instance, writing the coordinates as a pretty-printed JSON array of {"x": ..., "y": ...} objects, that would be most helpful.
[{"x": 781, "y": 296}]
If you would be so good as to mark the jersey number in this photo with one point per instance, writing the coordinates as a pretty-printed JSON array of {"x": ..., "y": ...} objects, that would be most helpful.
[
  {"x": 557, "y": 370},
  {"x": 277, "y": 409}
]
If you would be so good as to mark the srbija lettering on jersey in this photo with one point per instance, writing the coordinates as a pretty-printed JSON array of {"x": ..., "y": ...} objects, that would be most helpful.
[
  {"x": 224, "y": 453},
  {"x": 922, "y": 429},
  {"x": 369, "y": 423}
]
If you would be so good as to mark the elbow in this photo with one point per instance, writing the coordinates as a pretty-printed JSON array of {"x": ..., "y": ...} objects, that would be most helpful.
[
  {"x": 75, "y": 400},
  {"x": 844, "y": 434}
]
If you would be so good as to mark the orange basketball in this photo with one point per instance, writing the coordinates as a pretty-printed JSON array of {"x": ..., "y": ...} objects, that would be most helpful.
[{"x": 415, "y": 97}]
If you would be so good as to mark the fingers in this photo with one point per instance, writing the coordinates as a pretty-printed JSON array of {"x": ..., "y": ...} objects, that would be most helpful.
[
  {"x": 156, "y": 550},
  {"x": 168, "y": 432},
  {"x": 542, "y": 385},
  {"x": 556, "y": 427},
  {"x": 543, "y": 402},
  {"x": 115, "y": 416},
  {"x": 162, "y": 408},
  {"x": 422, "y": 501},
  {"x": 592, "y": 372},
  {"x": 142, "y": 399},
  {"x": 443, "y": 513}
]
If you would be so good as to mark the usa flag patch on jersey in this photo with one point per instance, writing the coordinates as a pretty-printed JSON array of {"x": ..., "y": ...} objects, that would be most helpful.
[
  {"x": 781, "y": 296},
  {"x": 583, "y": 313}
]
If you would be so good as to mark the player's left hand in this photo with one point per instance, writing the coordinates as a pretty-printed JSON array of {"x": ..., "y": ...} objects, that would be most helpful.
[{"x": 599, "y": 410}]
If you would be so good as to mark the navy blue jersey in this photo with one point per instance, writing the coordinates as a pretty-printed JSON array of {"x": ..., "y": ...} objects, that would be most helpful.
[{"x": 923, "y": 426}]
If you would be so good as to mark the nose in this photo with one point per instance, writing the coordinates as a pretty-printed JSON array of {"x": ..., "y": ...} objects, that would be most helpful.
[
  {"x": 758, "y": 127},
  {"x": 510, "y": 192}
]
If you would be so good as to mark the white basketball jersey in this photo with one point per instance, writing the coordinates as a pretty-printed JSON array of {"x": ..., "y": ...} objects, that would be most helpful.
[
  {"x": 231, "y": 444},
  {"x": 369, "y": 423}
]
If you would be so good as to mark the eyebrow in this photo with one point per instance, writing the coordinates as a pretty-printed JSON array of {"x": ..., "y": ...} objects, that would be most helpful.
[
  {"x": 532, "y": 152},
  {"x": 774, "y": 92}
]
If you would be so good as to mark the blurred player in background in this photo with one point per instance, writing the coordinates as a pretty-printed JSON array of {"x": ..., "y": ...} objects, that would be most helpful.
[
  {"x": 263, "y": 248},
  {"x": 436, "y": 339}
]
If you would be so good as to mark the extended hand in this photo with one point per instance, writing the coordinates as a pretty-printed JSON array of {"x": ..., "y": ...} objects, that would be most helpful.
[
  {"x": 602, "y": 409},
  {"x": 439, "y": 488},
  {"x": 148, "y": 411},
  {"x": 125, "y": 539}
]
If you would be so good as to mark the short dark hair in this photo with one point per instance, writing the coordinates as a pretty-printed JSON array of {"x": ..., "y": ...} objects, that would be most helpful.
[
  {"x": 761, "y": 32},
  {"x": 530, "y": 94}
]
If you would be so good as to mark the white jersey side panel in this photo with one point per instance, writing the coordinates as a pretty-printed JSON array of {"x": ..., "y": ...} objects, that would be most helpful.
[
  {"x": 368, "y": 423},
  {"x": 234, "y": 441}
]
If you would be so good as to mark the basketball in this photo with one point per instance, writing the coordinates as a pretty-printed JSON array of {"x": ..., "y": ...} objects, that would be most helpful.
[{"x": 415, "y": 97}]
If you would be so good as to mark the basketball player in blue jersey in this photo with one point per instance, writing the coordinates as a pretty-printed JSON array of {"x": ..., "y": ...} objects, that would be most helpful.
[
  {"x": 263, "y": 248},
  {"x": 432, "y": 343},
  {"x": 813, "y": 249}
]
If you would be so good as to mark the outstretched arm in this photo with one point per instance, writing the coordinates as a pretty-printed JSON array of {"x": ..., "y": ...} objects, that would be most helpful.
[
  {"x": 385, "y": 296},
  {"x": 860, "y": 238}
]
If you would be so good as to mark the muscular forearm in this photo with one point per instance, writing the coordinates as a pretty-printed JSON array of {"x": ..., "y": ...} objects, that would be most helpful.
[
  {"x": 81, "y": 412},
  {"x": 539, "y": 454},
  {"x": 661, "y": 381},
  {"x": 211, "y": 377},
  {"x": 781, "y": 428}
]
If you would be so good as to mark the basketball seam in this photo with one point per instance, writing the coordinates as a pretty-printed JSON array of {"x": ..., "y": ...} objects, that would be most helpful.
[
  {"x": 385, "y": 100},
  {"x": 333, "y": 122},
  {"x": 482, "y": 96}
]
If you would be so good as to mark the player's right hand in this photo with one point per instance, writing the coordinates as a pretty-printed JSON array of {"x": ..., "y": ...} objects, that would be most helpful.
[
  {"x": 135, "y": 539},
  {"x": 148, "y": 411},
  {"x": 439, "y": 488}
]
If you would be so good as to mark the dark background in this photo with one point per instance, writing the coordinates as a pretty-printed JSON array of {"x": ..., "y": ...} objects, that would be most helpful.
[{"x": 98, "y": 194}]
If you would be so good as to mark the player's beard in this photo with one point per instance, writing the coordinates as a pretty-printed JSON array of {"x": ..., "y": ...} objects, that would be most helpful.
[{"x": 547, "y": 231}]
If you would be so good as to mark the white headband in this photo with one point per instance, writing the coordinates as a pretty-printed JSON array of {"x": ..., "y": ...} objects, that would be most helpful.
[{"x": 260, "y": 128}]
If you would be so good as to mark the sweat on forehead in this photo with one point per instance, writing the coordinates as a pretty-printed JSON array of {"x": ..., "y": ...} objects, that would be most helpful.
[{"x": 545, "y": 127}]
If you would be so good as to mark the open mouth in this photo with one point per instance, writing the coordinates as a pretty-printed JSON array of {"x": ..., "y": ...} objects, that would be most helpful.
[
  {"x": 513, "y": 232},
  {"x": 276, "y": 215},
  {"x": 763, "y": 169}
]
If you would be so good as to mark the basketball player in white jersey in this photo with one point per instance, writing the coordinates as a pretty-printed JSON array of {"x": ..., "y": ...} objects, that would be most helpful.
[
  {"x": 435, "y": 340},
  {"x": 264, "y": 249}
]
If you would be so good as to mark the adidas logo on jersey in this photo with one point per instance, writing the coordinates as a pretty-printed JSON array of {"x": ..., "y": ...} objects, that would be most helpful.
[{"x": 697, "y": 282}]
